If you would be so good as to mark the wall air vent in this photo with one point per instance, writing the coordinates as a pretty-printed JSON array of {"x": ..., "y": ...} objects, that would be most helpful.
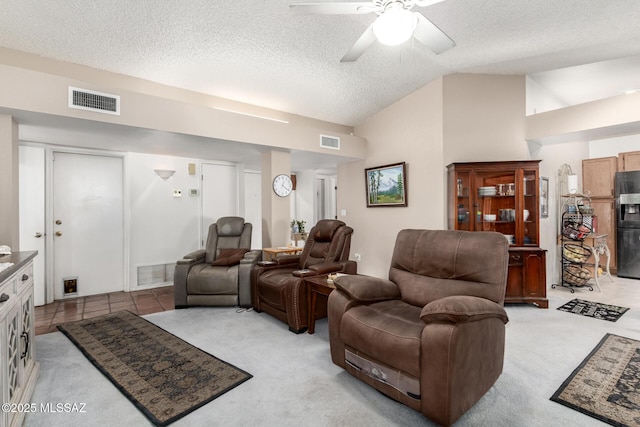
[
  {"x": 90, "y": 100},
  {"x": 332, "y": 142}
]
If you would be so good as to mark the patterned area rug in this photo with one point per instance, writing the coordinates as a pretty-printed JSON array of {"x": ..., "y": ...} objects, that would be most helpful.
[
  {"x": 164, "y": 376},
  {"x": 594, "y": 309},
  {"x": 606, "y": 385}
]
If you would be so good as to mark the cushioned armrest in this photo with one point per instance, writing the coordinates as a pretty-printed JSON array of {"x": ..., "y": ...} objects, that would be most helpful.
[
  {"x": 367, "y": 288},
  {"x": 287, "y": 259},
  {"x": 461, "y": 309},
  {"x": 251, "y": 257},
  {"x": 305, "y": 272},
  {"x": 196, "y": 257},
  {"x": 195, "y": 254},
  {"x": 330, "y": 267},
  {"x": 266, "y": 263}
]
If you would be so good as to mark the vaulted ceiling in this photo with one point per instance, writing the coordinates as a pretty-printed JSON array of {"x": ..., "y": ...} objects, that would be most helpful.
[{"x": 256, "y": 51}]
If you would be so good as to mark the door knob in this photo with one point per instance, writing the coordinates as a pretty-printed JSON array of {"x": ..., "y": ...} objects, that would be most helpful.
[
  {"x": 58, "y": 233},
  {"x": 37, "y": 235}
]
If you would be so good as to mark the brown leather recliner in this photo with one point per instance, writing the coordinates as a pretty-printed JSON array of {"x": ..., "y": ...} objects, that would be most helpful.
[
  {"x": 278, "y": 287},
  {"x": 432, "y": 336},
  {"x": 220, "y": 273}
]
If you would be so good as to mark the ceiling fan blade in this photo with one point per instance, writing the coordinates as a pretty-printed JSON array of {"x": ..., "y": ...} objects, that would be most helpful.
[
  {"x": 431, "y": 36},
  {"x": 348, "y": 8},
  {"x": 366, "y": 39},
  {"x": 425, "y": 3}
]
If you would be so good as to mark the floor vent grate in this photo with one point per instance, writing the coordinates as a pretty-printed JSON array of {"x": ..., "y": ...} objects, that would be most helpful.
[{"x": 155, "y": 274}]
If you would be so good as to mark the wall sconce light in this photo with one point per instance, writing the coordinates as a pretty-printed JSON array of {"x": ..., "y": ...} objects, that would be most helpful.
[{"x": 164, "y": 173}]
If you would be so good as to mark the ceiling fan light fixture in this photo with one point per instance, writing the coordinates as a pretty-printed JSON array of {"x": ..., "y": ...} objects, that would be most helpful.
[{"x": 394, "y": 26}]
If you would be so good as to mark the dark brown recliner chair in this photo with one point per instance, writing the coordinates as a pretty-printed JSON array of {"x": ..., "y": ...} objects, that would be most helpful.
[
  {"x": 220, "y": 273},
  {"x": 278, "y": 287},
  {"x": 432, "y": 336}
]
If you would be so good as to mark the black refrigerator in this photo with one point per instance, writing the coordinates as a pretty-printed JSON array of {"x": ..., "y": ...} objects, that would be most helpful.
[{"x": 628, "y": 223}]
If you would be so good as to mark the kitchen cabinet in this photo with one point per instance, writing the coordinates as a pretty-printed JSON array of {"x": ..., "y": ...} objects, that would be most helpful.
[
  {"x": 18, "y": 366},
  {"x": 629, "y": 161},
  {"x": 598, "y": 181},
  {"x": 598, "y": 176},
  {"x": 503, "y": 197}
]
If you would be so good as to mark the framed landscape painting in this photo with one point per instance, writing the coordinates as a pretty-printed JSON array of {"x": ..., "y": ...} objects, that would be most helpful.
[{"x": 386, "y": 185}]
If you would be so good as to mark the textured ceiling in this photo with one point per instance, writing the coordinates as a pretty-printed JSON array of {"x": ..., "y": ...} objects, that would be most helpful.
[{"x": 257, "y": 52}]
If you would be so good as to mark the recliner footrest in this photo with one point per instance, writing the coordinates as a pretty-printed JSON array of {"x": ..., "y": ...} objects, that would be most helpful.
[{"x": 395, "y": 378}]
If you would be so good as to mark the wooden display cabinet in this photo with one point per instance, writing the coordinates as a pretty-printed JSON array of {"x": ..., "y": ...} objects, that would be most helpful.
[{"x": 503, "y": 197}]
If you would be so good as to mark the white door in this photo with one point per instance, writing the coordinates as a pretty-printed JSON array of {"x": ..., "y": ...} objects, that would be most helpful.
[
  {"x": 32, "y": 214},
  {"x": 219, "y": 194},
  {"x": 88, "y": 223}
]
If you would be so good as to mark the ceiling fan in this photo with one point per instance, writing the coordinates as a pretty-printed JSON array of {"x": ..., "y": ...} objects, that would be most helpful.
[{"x": 394, "y": 25}]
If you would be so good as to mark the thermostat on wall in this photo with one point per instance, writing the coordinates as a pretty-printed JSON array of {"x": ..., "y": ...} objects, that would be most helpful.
[{"x": 193, "y": 192}]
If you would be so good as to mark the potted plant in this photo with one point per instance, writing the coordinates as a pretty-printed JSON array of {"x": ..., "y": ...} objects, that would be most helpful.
[{"x": 297, "y": 226}]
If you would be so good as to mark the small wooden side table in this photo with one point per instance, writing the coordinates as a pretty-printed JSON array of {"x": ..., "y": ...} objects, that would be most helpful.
[
  {"x": 316, "y": 285},
  {"x": 271, "y": 253}
]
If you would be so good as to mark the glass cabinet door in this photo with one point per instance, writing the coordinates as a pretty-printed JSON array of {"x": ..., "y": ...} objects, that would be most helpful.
[
  {"x": 463, "y": 206},
  {"x": 495, "y": 209},
  {"x": 530, "y": 214}
]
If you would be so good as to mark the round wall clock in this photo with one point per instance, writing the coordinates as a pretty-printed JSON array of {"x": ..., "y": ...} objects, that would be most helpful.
[{"x": 282, "y": 185}]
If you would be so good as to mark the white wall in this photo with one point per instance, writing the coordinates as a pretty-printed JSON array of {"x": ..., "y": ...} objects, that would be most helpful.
[
  {"x": 483, "y": 118},
  {"x": 408, "y": 131},
  {"x": 305, "y": 197},
  {"x": 540, "y": 99},
  {"x": 162, "y": 228},
  {"x": 253, "y": 206},
  {"x": 613, "y": 146},
  {"x": 457, "y": 118}
]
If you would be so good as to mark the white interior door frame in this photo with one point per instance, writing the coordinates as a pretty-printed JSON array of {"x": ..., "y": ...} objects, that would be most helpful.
[
  {"x": 32, "y": 212},
  {"x": 49, "y": 220}
]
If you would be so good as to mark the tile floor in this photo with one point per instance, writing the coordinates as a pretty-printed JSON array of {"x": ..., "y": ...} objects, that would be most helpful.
[{"x": 140, "y": 302}]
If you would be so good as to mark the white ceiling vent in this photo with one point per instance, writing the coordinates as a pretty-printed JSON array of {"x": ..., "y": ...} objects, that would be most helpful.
[
  {"x": 332, "y": 142},
  {"x": 91, "y": 100}
]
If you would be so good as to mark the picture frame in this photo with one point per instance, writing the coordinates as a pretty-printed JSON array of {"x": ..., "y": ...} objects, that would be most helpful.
[
  {"x": 386, "y": 185},
  {"x": 544, "y": 197}
]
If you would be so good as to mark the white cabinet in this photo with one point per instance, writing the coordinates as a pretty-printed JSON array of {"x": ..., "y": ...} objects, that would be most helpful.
[{"x": 18, "y": 367}]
